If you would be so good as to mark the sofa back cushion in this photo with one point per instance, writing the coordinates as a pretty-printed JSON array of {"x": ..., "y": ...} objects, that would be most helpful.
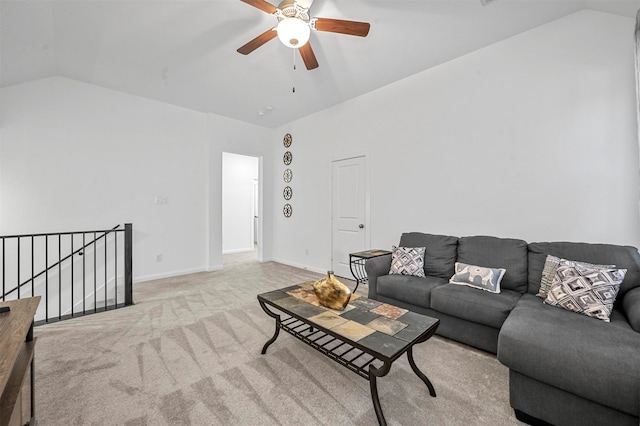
[
  {"x": 440, "y": 253},
  {"x": 624, "y": 257},
  {"x": 493, "y": 252}
]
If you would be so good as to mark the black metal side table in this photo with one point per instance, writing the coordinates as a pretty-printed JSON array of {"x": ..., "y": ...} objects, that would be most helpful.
[{"x": 357, "y": 261}]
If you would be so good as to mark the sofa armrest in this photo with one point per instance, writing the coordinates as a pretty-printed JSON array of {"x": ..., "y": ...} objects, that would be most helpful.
[
  {"x": 376, "y": 267},
  {"x": 631, "y": 307}
]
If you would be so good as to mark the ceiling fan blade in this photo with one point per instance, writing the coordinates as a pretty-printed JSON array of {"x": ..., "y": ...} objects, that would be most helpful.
[
  {"x": 360, "y": 29},
  {"x": 262, "y": 5},
  {"x": 258, "y": 41},
  {"x": 308, "y": 56}
]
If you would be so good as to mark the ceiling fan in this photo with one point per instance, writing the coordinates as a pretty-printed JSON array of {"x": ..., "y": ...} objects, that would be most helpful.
[{"x": 294, "y": 28}]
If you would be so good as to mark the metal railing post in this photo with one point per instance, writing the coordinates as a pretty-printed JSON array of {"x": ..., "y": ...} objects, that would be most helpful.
[{"x": 128, "y": 264}]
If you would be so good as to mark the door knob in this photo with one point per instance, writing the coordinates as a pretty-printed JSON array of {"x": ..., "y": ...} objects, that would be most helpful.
[{"x": 361, "y": 226}]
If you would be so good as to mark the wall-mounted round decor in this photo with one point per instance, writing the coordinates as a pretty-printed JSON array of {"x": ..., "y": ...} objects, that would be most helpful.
[
  {"x": 287, "y": 140},
  {"x": 288, "y": 158},
  {"x": 288, "y": 175},
  {"x": 287, "y": 210},
  {"x": 287, "y": 193}
]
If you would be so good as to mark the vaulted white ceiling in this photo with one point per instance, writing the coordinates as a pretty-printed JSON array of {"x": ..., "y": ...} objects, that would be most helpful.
[{"x": 183, "y": 52}]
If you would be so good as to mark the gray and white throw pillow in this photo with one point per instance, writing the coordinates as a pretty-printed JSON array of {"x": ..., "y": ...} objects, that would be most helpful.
[
  {"x": 587, "y": 290},
  {"x": 549, "y": 272},
  {"x": 407, "y": 261},
  {"x": 487, "y": 279}
]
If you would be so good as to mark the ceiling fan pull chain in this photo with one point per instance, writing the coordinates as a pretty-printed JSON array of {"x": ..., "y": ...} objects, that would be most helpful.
[{"x": 294, "y": 70}]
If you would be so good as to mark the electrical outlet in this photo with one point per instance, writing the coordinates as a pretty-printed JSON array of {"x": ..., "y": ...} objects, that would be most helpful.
[
  {"x": 306, "y": 252},
  {"x": 158, "y": 258},
  {"x": 162, "y": 200}
]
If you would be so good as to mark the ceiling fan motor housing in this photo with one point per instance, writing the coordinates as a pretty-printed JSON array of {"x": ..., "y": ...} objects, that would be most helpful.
[{"x": 291, "y": 9}]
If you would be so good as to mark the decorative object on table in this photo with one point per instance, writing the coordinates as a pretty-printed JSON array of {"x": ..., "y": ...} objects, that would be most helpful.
[
  {"x": 331, "y": 292},
  {"x": 288, "y": 175},
  {"x": 287, "y": 193},
  {"x": 357, "y": 261},
  {"x": 287, "y": 210},
  {"x": 287, "y": 140},
  {"x": 287, "y": 158}
]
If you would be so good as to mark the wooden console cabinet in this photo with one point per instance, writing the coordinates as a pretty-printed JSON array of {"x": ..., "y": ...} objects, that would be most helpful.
[{"x": 17, "y": 346}]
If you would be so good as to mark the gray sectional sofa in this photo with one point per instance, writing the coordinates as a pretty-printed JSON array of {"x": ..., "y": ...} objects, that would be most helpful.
[{"x": 565, "y": 368}]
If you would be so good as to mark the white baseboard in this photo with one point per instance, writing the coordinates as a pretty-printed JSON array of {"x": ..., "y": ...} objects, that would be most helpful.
[
  {"x": 300, "y": 266},
  {"x": 168, "y": 274},
  {"x": 241, "y": 250},
  {"x": 219, "y": 268}
]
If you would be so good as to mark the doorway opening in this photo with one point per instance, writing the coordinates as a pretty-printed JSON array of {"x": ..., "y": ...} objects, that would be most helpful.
[{"x": 241, "y": 231}]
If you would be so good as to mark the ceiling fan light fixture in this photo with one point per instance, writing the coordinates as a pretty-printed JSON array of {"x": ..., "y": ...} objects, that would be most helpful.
[{"x": 293, "y": 32}]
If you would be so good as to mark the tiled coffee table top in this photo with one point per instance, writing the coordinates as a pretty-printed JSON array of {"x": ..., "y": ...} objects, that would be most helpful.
[{"x": 384, "y": 328}]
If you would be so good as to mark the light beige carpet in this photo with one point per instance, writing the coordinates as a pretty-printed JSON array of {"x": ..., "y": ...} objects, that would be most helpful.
[{"x": 188, "y": 353}]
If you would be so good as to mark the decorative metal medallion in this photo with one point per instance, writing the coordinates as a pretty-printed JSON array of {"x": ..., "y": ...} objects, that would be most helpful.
[
  {"x": 288, "y": 175},
  {"x": 287, "y": 140},
  {"x": 288, "y": 158},
  {"x": 287, "y": 193},
  {"x": 287, "y": 210}
]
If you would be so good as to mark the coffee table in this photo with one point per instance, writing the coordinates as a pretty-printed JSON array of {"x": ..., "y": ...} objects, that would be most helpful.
[{"x": 366, "y": 337}]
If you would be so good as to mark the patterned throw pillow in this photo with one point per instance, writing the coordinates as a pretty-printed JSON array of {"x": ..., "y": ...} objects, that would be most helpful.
[
  {"x": 407, "y": 261},
  {"x": 478, "y": 277},
  {"x": 549, "y": 271},
  {"x": 587, "y": 290}
]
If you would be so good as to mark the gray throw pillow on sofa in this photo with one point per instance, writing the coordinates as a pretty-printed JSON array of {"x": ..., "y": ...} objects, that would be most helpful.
[
  {"x": 487, "y": 279},
  {"x": 587, "y": 290},
  {"x": 549, "y": 272},
  {"x": 407, "y": 261}
]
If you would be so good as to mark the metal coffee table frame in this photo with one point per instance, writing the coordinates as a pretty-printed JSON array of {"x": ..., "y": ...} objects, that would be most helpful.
[{"x": 363, "y": 360}]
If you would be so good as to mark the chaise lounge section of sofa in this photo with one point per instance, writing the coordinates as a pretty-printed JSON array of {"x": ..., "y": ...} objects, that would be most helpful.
[{"x": 565, "y": 368}]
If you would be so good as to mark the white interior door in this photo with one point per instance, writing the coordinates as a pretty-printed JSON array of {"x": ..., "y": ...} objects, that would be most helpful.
[{"x": 348, "y": 212}]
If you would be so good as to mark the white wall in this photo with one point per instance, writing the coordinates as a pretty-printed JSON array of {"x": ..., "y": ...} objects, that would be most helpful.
[
  {"x": 74, "y": 156},
  {"x": 239, "y": 172},
  {"x": 533, "y": 137}
]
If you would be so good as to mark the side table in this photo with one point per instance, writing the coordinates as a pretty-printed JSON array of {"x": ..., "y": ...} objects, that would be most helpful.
[{"x": 357, "y": 261}]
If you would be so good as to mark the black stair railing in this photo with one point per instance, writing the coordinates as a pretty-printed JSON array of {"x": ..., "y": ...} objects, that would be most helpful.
[{"x": 83, "y": 285}]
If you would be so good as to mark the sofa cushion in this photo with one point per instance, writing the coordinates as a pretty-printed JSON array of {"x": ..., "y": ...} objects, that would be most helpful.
[
  {"x": 407, "y": 261},
  {"x": 475, "y": 305},
  {"x": 493, "y": 252},
  {"x": 624, "y": 257},
  {"x": 408, "y": 289},
  {"x": 593, "y": 359},
  {"x": 586, "y": 289},
  {"x": 440, "y": 252},
  {"x": 487, "y": 279},
  {"x": 631, "y": 307}
]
